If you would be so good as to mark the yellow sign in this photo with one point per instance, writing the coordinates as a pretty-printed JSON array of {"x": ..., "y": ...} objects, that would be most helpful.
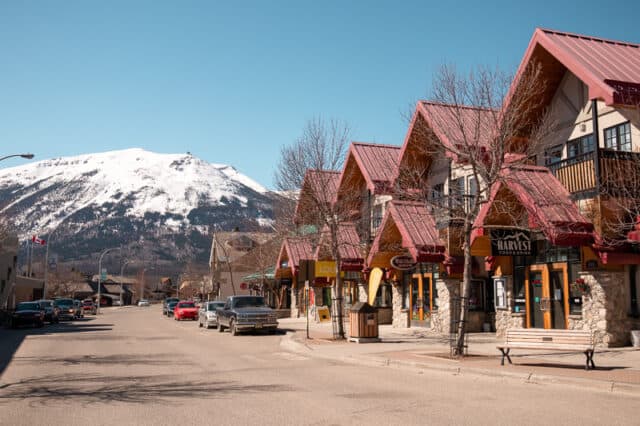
[
  {"x": 323, "y": 314},
  {"x": 374, "y": 282},
  {"x": 326, "y": 268}
]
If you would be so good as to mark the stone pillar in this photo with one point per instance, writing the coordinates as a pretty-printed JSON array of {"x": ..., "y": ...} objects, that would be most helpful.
[
  {"x": 294, "y": 301},
  {"x": 447, "y": 288},
  {"x": 400, "y": 316},
  {"x": 604, "y": 309}
]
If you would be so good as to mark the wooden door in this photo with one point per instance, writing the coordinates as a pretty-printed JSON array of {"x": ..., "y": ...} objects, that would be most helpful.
[{"x": 547, "y": 295}]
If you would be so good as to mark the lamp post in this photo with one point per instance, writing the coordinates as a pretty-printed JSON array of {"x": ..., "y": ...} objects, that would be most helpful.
[
  {"x": 142, "y": 281},
  {"x": 100, "y": 275},
  {"x": 27, "y": 156}
]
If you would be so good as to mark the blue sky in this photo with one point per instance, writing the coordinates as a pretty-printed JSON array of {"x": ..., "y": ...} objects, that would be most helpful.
[{"x": 232, "y": 83}]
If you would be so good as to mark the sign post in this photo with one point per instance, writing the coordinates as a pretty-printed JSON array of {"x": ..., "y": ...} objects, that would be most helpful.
[{"x": 306, "y": 292}]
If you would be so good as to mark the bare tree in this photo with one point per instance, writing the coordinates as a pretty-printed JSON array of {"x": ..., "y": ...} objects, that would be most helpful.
[
  {"x": 308, "y": 170},
  {"x": 476, "y": 129}
]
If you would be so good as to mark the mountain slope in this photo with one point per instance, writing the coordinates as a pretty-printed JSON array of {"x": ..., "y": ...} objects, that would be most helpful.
[{"x": 166, "y": 204}]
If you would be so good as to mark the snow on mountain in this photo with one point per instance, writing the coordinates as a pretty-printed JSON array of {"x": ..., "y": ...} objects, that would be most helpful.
[
  {"x": 167, "y": 184},
  {"x": 117, "y": 198}
]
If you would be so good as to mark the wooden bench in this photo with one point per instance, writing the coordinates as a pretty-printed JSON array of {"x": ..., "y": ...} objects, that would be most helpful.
[{"x": 556, "y": 340}]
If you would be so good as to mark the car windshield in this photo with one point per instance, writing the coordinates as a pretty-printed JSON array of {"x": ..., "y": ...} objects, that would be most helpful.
[
  {"x": 245, "y": 302},
  {"x": 28, "y": 306},
  {"x": 172, "y": 300},
  {"x": 63, "y": 302},
  {"x": 172, "y": 304},
  {"x": 215, "y": 305},
  {"x": 187, "y": 305}
]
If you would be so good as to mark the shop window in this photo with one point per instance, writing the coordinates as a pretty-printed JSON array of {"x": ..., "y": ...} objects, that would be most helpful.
[
  {"x": 383, "y": 296},
  {"x": 477, "y": 295},
  {"x": 519, "y": 291},
  {"x": 575, "y": 297},
  {"x": 618, "y": 137}
]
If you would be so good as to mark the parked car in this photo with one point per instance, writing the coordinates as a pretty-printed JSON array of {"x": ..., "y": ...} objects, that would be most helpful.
[
  {"x": 168, "y": 310},
  {"x": 78, "y": 307},
  {"x": 89, "y": 307},
  {"x": 143, "y": 302},
  {"x": 185, "y": 310},
  {"x": 168, "y": 300},
  {"x": 208, "y": 315},
  {"x": 50, "y": 311},
  {"x": 27, "y": 313},
  {"x": 242, "y": 313},
  {"x": 66, "y": 308}
]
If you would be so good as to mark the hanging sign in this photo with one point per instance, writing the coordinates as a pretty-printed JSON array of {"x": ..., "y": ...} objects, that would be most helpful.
[
  {"x": 508, "y": 242},
  {"x": 403, "y": 263}
]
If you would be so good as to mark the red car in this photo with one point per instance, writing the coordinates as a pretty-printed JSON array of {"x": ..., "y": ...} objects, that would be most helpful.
[{"x": 184, "y": 310}]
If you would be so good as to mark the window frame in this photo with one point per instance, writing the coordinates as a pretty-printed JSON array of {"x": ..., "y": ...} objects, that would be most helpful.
[{"x": 617, "y": 137}]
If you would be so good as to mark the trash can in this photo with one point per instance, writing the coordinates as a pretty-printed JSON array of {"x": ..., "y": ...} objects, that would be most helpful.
[{"x": 363, "y": 322}]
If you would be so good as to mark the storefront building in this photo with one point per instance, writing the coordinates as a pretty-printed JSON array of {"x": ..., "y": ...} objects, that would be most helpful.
[{"x": 293, "y": 252}]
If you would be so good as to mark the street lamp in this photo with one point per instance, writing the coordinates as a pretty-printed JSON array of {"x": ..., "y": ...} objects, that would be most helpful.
[
  {"x": 27, "y": 156},
  {"x": 100, "y": 275}
]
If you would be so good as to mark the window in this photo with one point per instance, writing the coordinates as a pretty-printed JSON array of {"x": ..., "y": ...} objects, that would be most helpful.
[
  {"x": 575, "y": 298},
  {"x": 437, "y": 193},
  {"x": 618, "y": 137},
  {"x": 376, "y": 219},
  {"x": 580, "y": 146},
  {"x": 553, "y": 155},
  {"x": 383, "y": 296}
]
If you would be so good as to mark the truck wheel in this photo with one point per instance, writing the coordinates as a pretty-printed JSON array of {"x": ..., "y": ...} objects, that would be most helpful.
[{"x": 232, "y": 328}]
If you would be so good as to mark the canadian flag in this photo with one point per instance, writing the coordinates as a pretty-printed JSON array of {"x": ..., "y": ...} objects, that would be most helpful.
[{"x": 37, "y": 240}]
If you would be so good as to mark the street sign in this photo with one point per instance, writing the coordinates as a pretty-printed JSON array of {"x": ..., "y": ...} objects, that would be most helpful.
[{"x": 103, "y": 274}]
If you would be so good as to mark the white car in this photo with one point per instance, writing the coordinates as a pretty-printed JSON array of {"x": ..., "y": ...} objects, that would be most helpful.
[{"x": 143, "y": 302}]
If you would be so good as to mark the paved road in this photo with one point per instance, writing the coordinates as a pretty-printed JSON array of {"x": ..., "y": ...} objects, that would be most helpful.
[{"x": 131, "y": 366}]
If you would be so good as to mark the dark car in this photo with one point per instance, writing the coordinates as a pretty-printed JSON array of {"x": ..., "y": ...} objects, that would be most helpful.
[
  {"x": 27, "y": 313},
  {"x": 67, "y": 308},
  {"x": 168, "y": 311},
  {"x": 244, "y": 313},
  {"x": 50, "y": 311},
  {"x": 166, "y": 302}
]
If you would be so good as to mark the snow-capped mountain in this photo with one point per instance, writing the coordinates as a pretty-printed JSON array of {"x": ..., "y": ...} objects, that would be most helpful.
[{"x": 95, "y": 201}]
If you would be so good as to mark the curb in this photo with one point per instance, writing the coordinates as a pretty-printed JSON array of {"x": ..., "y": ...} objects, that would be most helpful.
[{"x": 289, "y": 342}]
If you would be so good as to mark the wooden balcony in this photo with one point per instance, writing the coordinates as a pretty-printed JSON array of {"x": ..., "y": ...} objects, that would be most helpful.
[{"x": 618, "y": 170}]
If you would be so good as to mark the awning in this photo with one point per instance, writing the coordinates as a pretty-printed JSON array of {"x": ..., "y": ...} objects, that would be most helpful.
[
  {"x": 257, "y": 276},
  {"x": 375, "y": 276},
  {"x": 408, "y": 226},
  {"x": 547, "y": 203}
]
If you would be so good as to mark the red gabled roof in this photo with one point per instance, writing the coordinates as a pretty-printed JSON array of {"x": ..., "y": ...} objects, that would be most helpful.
[
  {"x": 417, "y": 229},
  {"x": 348, "y": 242},
  {"x": 610, "y": 69},
  {"x": 322, "y": 183},
  {"x": 454, "y": 125},
  {"x": 378, "y": 164},
  {"x": 295, "y": 249},
  {"x": 547, "y": 203}
]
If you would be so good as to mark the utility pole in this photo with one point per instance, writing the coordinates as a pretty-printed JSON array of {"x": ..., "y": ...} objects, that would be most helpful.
[{"x": 100, "y": 275}]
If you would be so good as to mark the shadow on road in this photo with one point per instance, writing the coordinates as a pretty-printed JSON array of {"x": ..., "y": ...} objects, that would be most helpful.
[
  {"x": 92, "y": 389},
  {"x": 11, "y": 339}
]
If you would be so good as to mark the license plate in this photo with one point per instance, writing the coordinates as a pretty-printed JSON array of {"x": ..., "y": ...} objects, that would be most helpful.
[{"x": 258, "y": 325}]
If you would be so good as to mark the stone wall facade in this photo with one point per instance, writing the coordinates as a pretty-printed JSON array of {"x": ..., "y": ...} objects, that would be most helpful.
[
  {"x": 294, "y": 303},
  {"x": 604, "y": 309},
  {"x": 441, "y": 319},
  {"x": 400, "y": 315}
]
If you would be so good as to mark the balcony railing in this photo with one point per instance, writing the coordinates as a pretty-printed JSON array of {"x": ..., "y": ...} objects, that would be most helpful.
[{"x": 619, "y": 172}]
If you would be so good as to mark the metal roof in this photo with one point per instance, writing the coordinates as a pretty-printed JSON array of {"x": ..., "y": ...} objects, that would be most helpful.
[
  {"x": 611, "y": 69},
  {"x": 377, "y": 163},
  {"x": 547, "y": 203},
  {"x": 348, "y": 243},
  {"x": 417, "y": 229},
  {"x": 295, "y": 249}
]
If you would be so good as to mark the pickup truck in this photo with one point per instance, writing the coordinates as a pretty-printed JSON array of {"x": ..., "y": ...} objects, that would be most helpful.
[{"x": 244, "y": 313}]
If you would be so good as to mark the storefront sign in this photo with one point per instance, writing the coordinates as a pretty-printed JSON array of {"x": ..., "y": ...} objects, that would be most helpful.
[
  {"x": 507, "y": 242},
  {"x": 325, "y": 269},
  {"x": 403, "y": 263}
]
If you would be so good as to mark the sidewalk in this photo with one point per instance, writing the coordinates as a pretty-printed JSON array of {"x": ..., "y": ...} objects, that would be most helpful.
[{"x": 617, "y": 369}]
